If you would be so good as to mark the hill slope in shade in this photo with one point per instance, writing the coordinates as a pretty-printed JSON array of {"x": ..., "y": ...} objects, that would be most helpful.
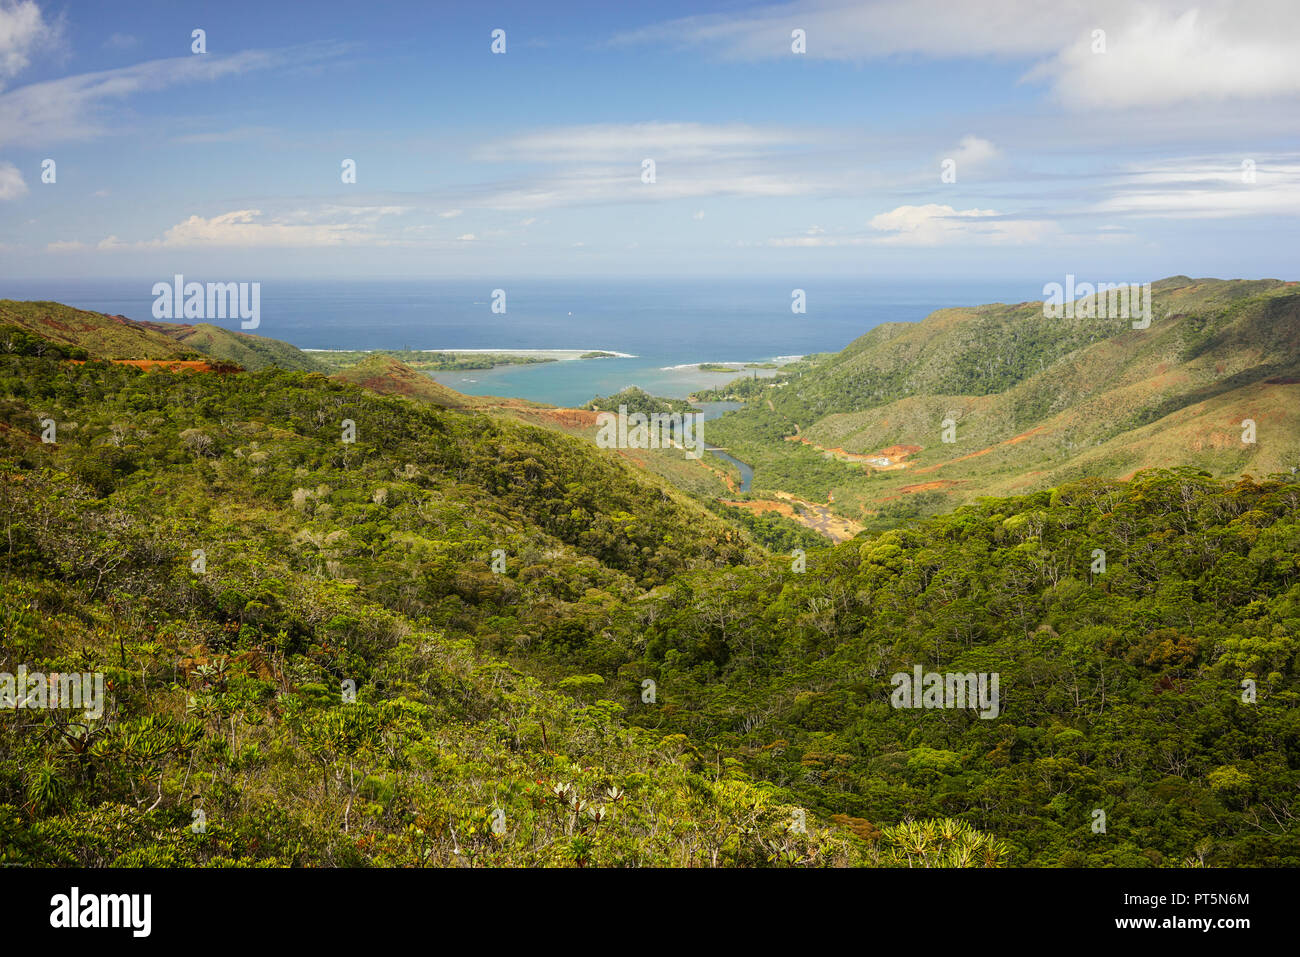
[
  {"x": 107, "y": 337},
  {"x": 248, "y": 350},
  {"x": 117, "y": 337}
]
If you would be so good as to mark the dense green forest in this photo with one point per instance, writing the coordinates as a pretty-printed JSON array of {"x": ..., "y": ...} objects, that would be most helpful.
[
  {"x": 638, "y": 400},
  {"x": 1121, "y": 689},
  {"x": 559, "y": 659},
  {"x": 326, "y": 562}
]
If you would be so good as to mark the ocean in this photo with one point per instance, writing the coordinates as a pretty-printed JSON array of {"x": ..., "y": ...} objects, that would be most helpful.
[{"x": 666, "y": 328}]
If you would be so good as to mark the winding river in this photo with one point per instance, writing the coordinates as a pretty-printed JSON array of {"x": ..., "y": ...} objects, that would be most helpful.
[
  {"x": 713, "y": 410},
  {"x": 746, "y": 471}
]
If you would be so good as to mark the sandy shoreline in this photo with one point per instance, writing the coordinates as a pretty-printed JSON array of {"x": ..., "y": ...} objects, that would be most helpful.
[
  {"x": 741, "y": 366},
  {"x": 561, "y": 354}
]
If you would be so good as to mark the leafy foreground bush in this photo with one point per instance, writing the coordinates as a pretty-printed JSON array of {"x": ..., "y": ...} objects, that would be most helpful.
[{"x": 253, "y": 758}]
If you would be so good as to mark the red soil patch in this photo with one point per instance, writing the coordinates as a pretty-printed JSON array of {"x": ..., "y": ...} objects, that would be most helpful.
[
  {"x": 760, "y": 506},
  {"x": 819, "y": 518},
  {"x": 892, "y": 456},
  {"x": 974, "y": 455},
  {"x": 173, "y": 365},
  {"x": 927, "y": 486},
  {"x": 899, "y": 451},
  {"x": 567, "y": 418}
]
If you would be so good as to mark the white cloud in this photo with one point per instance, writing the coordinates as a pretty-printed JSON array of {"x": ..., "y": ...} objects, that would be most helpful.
[
  {"x": 849, "y": 31},
  {"x": 23, "y": 30},
  {"x": 599, "y": 164},
  {"x": 120, "y": 41},
  {"x": 929, "y": 225},
  {"x": 971, "y": 152},
  {"x": 1157, "y": 53},
  {"x": 245, "y": 228},
  {"x": 332, "y": 212},
  {"x": 1208, "y": 188},
  {"x": 935, "y": 225},
  {"x": 450, "y": 214},
  {"x": 632, "y": 142},
  {"x": 68, "y": 108},
  {"x": 605, "y": 186},
  {"x": 249, "y": 228},
  {"x": 12, "y": 184},
  {"x": 1161, "y": 55},
  {"x": 467, "y": 238}
]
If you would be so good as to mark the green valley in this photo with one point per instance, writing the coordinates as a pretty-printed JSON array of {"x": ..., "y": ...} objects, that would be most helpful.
[
  {"x": 913, "y": 419},
  {"x": 360, "y": 619}
]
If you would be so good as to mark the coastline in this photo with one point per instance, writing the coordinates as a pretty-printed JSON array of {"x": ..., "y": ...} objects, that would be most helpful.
[
  {"x": 742, "y": 365},
  {"x": 559, "y": 354},
  {"x": 572, "y": 384}
]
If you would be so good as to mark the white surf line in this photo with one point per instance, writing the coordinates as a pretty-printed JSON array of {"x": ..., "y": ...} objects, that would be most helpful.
[
  {"x": 560, "y": 353},
  {"x": 741, "y": 364},
  {"x": 555, "y": 353}
]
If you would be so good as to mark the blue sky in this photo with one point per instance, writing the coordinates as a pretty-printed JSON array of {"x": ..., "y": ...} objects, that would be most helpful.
[{"x": 1116, "y": 157}]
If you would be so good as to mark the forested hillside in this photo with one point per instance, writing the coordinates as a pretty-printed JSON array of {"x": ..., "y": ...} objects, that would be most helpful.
[
  {"x": 916, "y": 418},
  {"x": 245, "y": 349},
  {"x": 1122, "y": 618},
  {"x": 560, "y": 659},
  {"x": 108, "y": 337},
  {"x": 324, "y": 561}
]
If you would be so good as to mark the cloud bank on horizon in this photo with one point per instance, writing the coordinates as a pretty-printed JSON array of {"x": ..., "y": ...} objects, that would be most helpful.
[{"x": 921, "y": 138}]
